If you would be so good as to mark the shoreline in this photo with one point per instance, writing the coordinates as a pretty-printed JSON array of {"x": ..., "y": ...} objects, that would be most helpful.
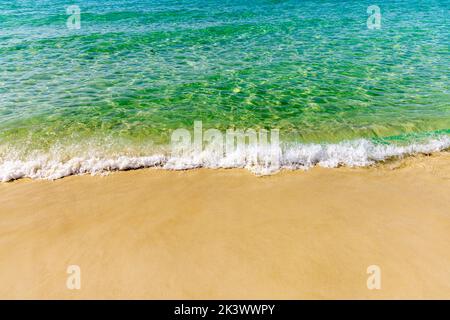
[
  {"x": 228, "y": 234},
  {"x": 263, "y": 160}
]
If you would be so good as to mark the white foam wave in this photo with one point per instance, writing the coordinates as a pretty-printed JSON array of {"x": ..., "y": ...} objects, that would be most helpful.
[
  {"x": 45, "y": 168},
  {"x": 354, "y": 153}
]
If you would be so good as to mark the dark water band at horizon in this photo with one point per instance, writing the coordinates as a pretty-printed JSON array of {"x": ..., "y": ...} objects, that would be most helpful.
[{"x": 137, "y": 70}]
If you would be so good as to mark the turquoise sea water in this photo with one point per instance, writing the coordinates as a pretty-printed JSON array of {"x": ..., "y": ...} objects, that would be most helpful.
[{"x": 136, "y": 70}]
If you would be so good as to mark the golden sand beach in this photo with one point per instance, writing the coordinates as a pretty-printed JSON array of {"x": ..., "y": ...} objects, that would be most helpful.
[{"x": 218, "y": 234}]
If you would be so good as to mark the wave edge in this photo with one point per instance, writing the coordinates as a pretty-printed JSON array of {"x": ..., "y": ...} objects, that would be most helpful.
[{"x": 355, "y": 153}]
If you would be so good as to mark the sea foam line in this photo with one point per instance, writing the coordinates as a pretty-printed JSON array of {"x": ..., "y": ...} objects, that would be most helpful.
[{"x": 356, "y": 153}]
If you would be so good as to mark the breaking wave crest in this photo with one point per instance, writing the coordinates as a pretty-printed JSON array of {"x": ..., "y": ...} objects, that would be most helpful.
[{"x": 356, "y": 153}]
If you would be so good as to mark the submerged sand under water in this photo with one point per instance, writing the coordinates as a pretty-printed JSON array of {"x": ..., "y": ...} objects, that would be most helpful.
[{"x": 207, "y": 234}]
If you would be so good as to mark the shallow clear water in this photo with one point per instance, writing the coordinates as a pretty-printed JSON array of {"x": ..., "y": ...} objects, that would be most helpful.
[{"x": 137, "y": 70}]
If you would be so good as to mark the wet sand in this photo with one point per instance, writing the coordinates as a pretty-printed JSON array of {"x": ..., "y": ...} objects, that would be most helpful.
[{"x": 219, "y": 234}]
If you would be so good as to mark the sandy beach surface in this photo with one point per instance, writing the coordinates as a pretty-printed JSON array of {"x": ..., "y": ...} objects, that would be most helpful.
[{"x": 218, "y": 234}]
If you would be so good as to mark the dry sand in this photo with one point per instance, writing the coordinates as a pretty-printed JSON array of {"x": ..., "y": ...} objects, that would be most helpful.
[{"x": 216, "y": 234}]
